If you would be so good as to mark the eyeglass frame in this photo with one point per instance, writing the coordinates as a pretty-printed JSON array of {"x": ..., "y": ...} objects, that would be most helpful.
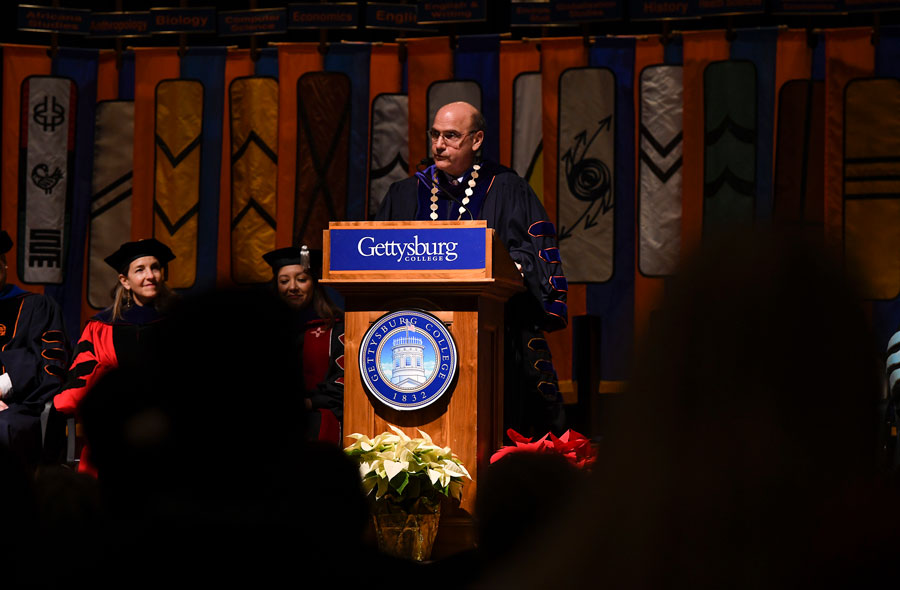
[{"x": 441, "y": 134}]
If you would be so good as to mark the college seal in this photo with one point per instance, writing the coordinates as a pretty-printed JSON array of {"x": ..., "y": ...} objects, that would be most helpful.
[{"x": 407, "y": 359}]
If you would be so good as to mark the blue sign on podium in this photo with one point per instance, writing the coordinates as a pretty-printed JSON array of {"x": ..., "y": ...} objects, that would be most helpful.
[{"x": 393, "y": 249}]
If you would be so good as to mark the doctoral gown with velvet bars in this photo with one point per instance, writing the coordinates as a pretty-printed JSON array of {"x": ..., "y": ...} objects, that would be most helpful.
[{"x": 510, "y": 207}]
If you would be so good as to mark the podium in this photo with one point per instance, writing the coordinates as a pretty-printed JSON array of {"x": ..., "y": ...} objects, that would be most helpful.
[{"x": 381, "y": 267}]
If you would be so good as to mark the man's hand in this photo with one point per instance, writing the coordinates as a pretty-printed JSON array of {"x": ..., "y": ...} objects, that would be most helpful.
[
  {"x": 3, "y": 406},
  {"x": 519, "y": 266}
]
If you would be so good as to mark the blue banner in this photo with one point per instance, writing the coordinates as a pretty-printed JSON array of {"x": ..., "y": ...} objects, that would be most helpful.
[
  {"x": 334, "y": 15},
  {"x": 433, "y": 12},
  {"x": 353, "y": 59},
  {"x": 613, "y": 300},
  {"x": 263, "y": 21},
  {"x": 207, "y": 64},
  {"x": 436, "y": 249},
  {"x": 44, "y": 19},
  {"x": 120, "y": 24},
  {"x": 478, "y": 58},
  {"x": 183, "y": 20},
  {"x": 585, "y": 11}
]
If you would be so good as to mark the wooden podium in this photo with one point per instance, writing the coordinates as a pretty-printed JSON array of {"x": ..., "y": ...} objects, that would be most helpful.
[{"x": 469, "y": 416}]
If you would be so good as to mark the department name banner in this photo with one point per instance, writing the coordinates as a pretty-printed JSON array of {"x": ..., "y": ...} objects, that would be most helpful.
[
  {"x": 46, "y": 156},
  {"x": 807, "y": 6},
  {"x": 661, "y": 9},
  {"x": 183, "y": 20},
  {"x": 711, "y": 7},
  {"x": 397, "y": 17},
  {"x": 393, "y": 249},
  {"x": 263, "y": 21},
  {"x": 530, "y": 14},
  {"x": 334, "y": 15},
  {"x": 44, "y": 19},
  {"x": 121, "y": 24},
  {"x": 435, "y": 12},
  {"x": 585, "y": 11}
]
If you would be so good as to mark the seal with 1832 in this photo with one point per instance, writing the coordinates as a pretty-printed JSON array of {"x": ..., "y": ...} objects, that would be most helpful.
[{"x": 407, "y": 359}]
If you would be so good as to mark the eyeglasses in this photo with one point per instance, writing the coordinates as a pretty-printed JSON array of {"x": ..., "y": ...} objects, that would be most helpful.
[{"x": 451, "y": 138}]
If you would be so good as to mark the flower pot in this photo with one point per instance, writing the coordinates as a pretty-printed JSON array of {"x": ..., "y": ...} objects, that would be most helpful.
[{"x": 410, "y": 536}]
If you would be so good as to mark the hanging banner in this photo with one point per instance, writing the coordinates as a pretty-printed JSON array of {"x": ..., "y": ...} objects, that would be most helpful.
[
  {"x": 726, "y": 7},
  {"x": 110, "y": 195},
  {"x": 807, "y": 6},
  {"x": 729, "y": 102},
  {"x": 585, "y": 11},
  {"x": 435, "y": 12},
  {"x": 395, "y": 17},
  {"x": 661, "y": 9},
  {"x": 661, "y": 144},
  {"x": 530, "y": 14},
  {"x": 176, "y": 194},
  {"x": 389, "y": 155},
  {"x": 333, "y": 15},
  {"x": 46, "y": 19},
  {"x": 121, "y": 24},
  {"x": 46, "y": 157},
  {"x": 477, "y": 58},
  {"x": 872, "y": 184},
  {"x": 254, "y": 175},
  {"x": 800, "y": 163},
  {"x": 323, "y": 147},
  {"x": 585, "y": 173},
  {"x": 183, "y": 20},
  {"x": 527, "y": 152},
  {"x": 261, "y": 21}
]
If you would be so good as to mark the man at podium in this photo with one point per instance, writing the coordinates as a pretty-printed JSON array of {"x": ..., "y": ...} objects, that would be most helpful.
[{"x": 459, "y": 186}]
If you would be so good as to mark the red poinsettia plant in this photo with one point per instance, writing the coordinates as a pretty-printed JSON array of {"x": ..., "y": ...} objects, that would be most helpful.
[{"x": 575, "y": 447}]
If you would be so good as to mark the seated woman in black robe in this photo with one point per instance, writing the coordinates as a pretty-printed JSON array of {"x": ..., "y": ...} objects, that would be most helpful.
[
  {"x": 320, "y": 333},
  {"x": 126, "y": 333}
]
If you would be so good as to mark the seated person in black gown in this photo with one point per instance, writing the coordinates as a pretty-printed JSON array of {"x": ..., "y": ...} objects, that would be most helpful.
[
  {"x": 33, "y": 360},
  {"x": 320, "y": 337}
]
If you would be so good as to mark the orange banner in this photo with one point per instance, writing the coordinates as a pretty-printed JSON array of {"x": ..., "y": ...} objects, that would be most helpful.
[
  {"x": 515, "y": 57},
  {"x": 151, "y": 66},
  {"x": 294, "y": 60},
  {"x": 849, "y": 54},
  {"x": 19, "y": 62},
  {"x": 429, "y": 60},
  {"x": 558, "y": 55}
]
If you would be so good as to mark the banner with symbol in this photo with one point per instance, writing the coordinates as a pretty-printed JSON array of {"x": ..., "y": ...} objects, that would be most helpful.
[
  {"x": 659, "y": 196},
  {"x": 390, "y": 146},
  {"x": 45, "y": 163},
  {"x": 585, "y": 179},
  {"x": 110, "y": 196}
]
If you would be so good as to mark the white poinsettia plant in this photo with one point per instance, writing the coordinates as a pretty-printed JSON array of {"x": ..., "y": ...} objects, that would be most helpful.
[{"x": 407, "y": 472}]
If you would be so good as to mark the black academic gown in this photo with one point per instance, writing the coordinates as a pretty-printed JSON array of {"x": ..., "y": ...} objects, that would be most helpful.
[
  {"x": 510, "y": 207},
  {"x": 34, "y": 353}
]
